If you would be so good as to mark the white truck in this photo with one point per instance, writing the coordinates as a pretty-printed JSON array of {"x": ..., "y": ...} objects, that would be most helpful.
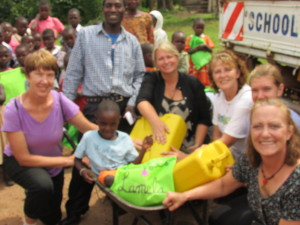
[{"x": 265, "y": 30}]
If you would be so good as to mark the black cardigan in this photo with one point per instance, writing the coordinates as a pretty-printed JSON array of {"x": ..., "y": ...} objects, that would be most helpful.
[{"x": 152, "y": 90}]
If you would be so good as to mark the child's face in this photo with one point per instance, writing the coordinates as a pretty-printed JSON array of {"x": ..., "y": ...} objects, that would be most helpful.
[
  {"x": 179, "y": 42},
  {"x": 5, "y": 57},
  {"x": 44, "y": 11},
  {"x": 29, "y": 41},
  {"x": 7, "y": 32},
  {"x": 49, "y": 42},
  {"x": 108, "y": 123},
  {"x": 21, "y": 54},
  {"x": 37, "y": 41},
  {"x": 74, "y": 19},
  {"x": 69, "y": 39},
  {"x": 22, "y": 26},
  {"x": 198, "y": 28}
]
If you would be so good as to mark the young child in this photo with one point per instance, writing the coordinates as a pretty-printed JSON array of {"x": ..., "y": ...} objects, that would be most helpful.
[
  {"x": 7, "y": 35},
  {"x": 5, "y": 57},
  {"x": 69, "y": 37},
  {"x": 22, "y": 29},
  {"x": 37, "y": 41},
  {"x": 107, "y": 148},
  {"x": 44, "y": 21},
  {"x": 147, "y": 50},
  {"x": 74, "y": 19},
  {"x": 21, "y": 52},
  {"x": 178, "y": 39},
  {"x": 206, "y": 46},
  {"x": 48, "y": 38},
  {"x": 29, "y": 41}
]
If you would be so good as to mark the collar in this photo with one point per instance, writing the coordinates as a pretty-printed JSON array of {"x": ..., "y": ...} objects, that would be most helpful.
[{"x": 102, "y": 31}]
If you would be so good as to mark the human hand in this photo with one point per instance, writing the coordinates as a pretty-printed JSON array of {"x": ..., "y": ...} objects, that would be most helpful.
[
  {"x": 138, "y": 144},
  {"x": 193, "y": 147},
  {"x": 175, "y": 152},
  {"x": 160, "y": 129},
  {"x": 130, "y": 109},
  {"x": 87, "y": 176},
  {"x": 201, "y": 47},
  {"x": 147, "y": 142},
  {"x": 37, "y": 17},
  {"x": 174, "y": 200},
  {"x": 69, "y": 160}
]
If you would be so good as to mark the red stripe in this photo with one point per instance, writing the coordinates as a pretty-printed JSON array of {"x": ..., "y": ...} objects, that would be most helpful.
[
  {"x": 240, "y": 35},
  {"x": 235, "y": 14},
  {"x": 225, "y": 6}
]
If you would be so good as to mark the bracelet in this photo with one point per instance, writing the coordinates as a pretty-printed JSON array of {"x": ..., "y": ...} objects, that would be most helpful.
[{"x": 81, "y": 171}]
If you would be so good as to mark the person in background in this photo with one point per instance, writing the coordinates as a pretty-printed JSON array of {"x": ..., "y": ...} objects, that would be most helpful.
[
  {"x": 266, "y": 81},
  {"x": 169, "y": 91},
  {"x": 74, "y": 19},
  {"x": 7, "y": 35},
  {"x": 270, "y": 171},
  {"x": 69, "y": 37},
  {"x": 5, "y": 57},
  {"x": 206, "y": 46},
  {"x": 108, "y": 61},
  {"x": 158, "y": 22},
  {"x": 33, "y": 123},
  {"x": 44, "y": 21},
  {"x": 37, "y": 41},
  {"x": 49, "y": 43},
  {"x": 29, "y": 41},
  {"x": 178, "y": 39},
  {"x": 21, "y": 52},
  {"x": 147, "y": 50},
  {"x": 22, "y": 29},
  {"x": 137, "y": 22}
]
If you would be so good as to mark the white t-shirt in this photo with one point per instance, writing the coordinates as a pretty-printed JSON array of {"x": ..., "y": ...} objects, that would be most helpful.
[{"x": 232, "y": 117}]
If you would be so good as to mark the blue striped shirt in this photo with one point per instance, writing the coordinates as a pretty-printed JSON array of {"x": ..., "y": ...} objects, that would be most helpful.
[{"x": 91, "y": 64}]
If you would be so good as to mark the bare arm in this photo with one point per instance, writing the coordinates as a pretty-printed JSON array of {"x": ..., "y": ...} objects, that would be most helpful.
[
  {"x": 147, "y": 143},
  {"x": 225, "y": 138},
  {"x": 215, "y": 189},
  {"x": 82, "y": 123},
  {"x": 286, "y": 222},
  {"x": 201, "y": 47},
  {"x": 159, "y": 128},
  {"x": 35, "y": 22},
  {"x": 20, "y": 150},
  {"x": 84, "y": 172}
]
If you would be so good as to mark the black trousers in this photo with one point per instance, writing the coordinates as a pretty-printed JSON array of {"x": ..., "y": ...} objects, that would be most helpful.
[
  {"x": 79, "y": 190},
  {"x": 43, "y": 193}
]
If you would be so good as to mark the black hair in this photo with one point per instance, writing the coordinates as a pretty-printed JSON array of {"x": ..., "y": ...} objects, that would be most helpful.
[
  {"x": 147, "y": 48},
  {"x": 103, "y": 2},
  {"x": 198, "y": 20},
  {"x": 74, "y": 10},
  {"x": 176, "y": 33},
  {"x": 44, "y": 2},
  {"x": 48, "y": 32},
  {"x": 69, "y": 29},
  {"x": 4, "y": 48},
  {"x": 18, "y": 19},
  {"x": 107, "y": 105},
  {"x": 22, "y": 46}
]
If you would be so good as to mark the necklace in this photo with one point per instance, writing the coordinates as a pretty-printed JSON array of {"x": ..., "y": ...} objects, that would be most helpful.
[{"x": 266, "y": 179}]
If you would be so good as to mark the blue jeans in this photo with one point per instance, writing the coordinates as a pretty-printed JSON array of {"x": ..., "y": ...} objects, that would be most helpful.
[{"x": 43, "y": 193}]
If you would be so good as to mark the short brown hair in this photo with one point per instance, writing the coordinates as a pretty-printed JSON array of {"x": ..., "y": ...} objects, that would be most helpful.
[
  {"x": 229, "y": 58},
  {"x": 293, "y": 145},
  {"x": 41, "y": 59}
]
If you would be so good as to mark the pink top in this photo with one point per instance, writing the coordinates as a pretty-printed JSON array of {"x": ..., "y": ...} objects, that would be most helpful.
[
  {"x": 49, "y": 23},
  {"x": 13, "y": 44}
]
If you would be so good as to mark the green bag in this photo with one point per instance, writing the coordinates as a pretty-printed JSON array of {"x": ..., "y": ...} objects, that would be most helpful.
[
  {"x": 145, "y": 184},
  {"x": 199, "y": 58}
]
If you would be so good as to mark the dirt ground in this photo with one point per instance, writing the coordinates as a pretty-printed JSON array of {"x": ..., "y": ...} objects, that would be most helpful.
[{"x": 12, "y": 199}]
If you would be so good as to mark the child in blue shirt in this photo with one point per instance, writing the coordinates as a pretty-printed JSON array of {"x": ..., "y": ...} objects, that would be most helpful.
[{"x": 107, "y": 148}]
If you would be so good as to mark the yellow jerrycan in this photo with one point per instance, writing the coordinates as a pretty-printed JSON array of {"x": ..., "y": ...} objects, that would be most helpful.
[
  {"x": 202, "y": 166},
  {"x": 176, "y": 126}
]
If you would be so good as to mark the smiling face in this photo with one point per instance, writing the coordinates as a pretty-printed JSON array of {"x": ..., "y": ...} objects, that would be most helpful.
[
  {"x": 41, "y": 81},
  {"x": 113, "y": 11},
  {"x": 225, "y": 77},
  {"x": 166, "y": 62},
  {"x": 270, "y": 130},
  {"x": 264, "y": 87},
  {"x": 108, "y": 122}
]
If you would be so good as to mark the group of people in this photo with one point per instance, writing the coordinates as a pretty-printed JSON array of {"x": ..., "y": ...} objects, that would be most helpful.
[{"x": 106, "y": 64}]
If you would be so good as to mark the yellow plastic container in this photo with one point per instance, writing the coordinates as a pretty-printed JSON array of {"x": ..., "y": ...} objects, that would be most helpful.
[
  {"x": 202, "y": 166},
  {"x": 176, "y": 126}
]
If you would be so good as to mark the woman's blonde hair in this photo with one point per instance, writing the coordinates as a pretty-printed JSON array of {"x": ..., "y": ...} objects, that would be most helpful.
[
  {"x": 229, "y": 58},
  {"x": 293, "y": 144},
  {"x": 166, "y": 46},
  {"x": 270, "y": 70},
  {"x": 40, "y": 59}
]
